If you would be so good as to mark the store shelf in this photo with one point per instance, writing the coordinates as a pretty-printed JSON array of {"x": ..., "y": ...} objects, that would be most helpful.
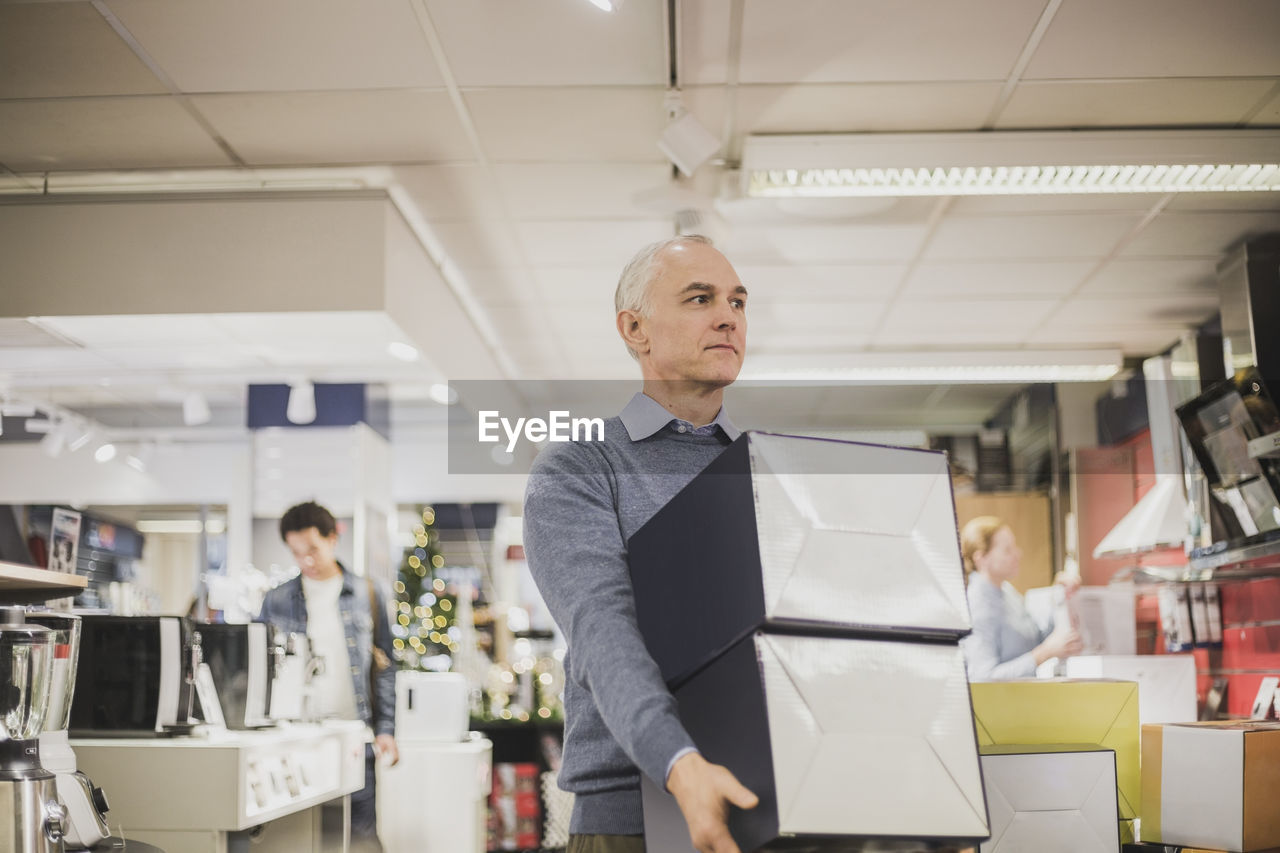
[
  {"x": 1258, "y": 559},
  {"x": 27, "y": 583}
]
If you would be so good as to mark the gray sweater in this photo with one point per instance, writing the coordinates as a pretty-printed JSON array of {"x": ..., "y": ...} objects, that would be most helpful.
[{"x": 582, "y": 503}]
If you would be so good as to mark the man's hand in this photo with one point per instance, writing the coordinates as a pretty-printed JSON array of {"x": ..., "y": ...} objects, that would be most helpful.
[
  {"x": 704, "y": 792},
  {"x": 385, "y": 745}
]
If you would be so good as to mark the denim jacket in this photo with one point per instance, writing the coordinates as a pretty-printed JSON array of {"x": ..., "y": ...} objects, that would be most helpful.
[{"x": 285, "y": 607}]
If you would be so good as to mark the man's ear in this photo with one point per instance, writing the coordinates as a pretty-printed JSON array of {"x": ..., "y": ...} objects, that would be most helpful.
[{"x": 631, "y": 327}]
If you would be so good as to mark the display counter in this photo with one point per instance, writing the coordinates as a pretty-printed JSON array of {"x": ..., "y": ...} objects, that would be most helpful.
[{"x": 195, "y": 793}]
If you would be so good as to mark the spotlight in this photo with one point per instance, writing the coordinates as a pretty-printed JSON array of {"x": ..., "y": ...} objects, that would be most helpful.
[
  {"x": 54, "y": 441},
  {"x": 105, "y": 453},
  {"x": 686, "y": 142},
  {"x": 301, "y": 408},
  {"x": 195, "y": 409},
  {"x": 443, "y": 394},
  {"x": 403, "y": 351}
]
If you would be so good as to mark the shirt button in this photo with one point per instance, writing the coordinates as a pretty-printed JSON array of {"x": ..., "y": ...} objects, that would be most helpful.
[{"x": 682, "y": 428}]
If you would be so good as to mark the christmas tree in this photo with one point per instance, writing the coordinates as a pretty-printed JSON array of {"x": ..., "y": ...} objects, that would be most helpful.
[{"x": 426, "y": 630}]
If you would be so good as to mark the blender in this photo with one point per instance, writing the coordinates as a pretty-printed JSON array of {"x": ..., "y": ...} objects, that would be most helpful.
[
  {"x": 85, "y": 802},
  {"x": 31, "y": 818}
]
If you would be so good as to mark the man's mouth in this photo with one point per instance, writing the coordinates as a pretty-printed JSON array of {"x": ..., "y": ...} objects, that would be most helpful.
[{"x": 729, "y": 347}]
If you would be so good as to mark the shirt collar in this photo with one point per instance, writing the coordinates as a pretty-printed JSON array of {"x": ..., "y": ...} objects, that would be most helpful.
[{"x": 644, "y": 416}]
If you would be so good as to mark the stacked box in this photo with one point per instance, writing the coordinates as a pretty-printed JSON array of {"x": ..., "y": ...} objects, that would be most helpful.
[
  {"x": 1212, "y": 784},
  {"x": 515, "y": 807},
  {"x": 804, "y": 599},
  {"x": 1066, "y": 710},
  {"x": 1051, "y": 798},
  {"x": 1166, "y": 683}
]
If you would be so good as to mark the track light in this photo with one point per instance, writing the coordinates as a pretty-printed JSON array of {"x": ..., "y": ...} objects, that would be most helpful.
[
  {"x": 301, "y": 408},
  {"x": 195, "y": 409},
  {"x": 686, "y": 142}
]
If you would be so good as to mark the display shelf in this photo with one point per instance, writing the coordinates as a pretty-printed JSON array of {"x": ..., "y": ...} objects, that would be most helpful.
[
  {"x": 26, "y": 584},
  {"x": 1256, "y": 559}
]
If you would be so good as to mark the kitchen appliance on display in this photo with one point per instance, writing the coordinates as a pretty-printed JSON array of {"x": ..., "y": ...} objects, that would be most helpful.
[
  {"x": 296, "y": 666},
  {"x": 1233, "y": 428},
  {"x": 31, "y": 818},
  {"x": 240, "y": 660},
  {"x": 137, "y": 676},
  {"x": 85, "y": 802}
]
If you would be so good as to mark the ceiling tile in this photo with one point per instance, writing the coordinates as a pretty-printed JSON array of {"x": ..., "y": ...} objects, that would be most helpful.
[
  {"x": 704, "y": 42},
  {"x": 868, "y": 107},
  {"x": 1225, "y": 202},
  {"x": 875, "y": 40},
  {"x": 457, "y": 192},
  {"x": 285, "y": 45},
  {"x": 971, "y": 319},
  {"x": 824, "y": 243},
  {"x": 292, "y": 128},
  {"x": 477, "y": 244},
  {"x": 1269, "y": 115},
  {"x": 500, "y": 286},
  {"x": 103, "y": 133},
  {"x": 573, "y": 124},
  {"x": 799, "y": 318},
  {"x": 1029, "y": 237},
  {"x": 550, "y": 43},
  {"x": 1161, "y": 310},
  {"x": 783, "y": 340},
  {"x": 589, "y": 243},
  {"x": 538, "y": 191},
  {"x": 1130, "y": 103},
  {"x": 969, "y": 279},
  {"x": 828, "y": 284},
  {"x": 50, "y": 50},
  {"x": 1205, "y": 234},
  {"x": 1159, "y": 38},
  {"x": 592, "y": 285},
  {"x": 1154, "y": 277},
  {"x": 1011, "y": 205},
  {"x": 1141, "y": 340}
]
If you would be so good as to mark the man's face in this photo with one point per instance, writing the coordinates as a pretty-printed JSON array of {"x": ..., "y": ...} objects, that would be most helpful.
[
  {"x": 698, "y": 329},
  {"x": 313, "y": 552}
]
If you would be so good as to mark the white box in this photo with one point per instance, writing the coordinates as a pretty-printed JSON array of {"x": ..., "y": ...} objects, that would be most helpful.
[
  {"x": 447, "y": 815},
  {"x": 1166, "y": 683},
  {"x": 838, "y": 737},
  {"x": 431, "y": 706},
  {"x": 1051, "y": 799},
  {"x": 804, "y": 534}
]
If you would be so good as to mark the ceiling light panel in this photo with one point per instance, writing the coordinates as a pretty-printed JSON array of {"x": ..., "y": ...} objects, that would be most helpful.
[{"x": 1015, "y": 163}]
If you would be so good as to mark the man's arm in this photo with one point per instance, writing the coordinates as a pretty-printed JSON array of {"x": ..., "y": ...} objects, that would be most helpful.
[{"x": 577, "y": 557}]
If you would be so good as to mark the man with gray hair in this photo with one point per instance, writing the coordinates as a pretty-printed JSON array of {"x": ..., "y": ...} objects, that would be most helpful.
[{"x": 681, "y": 312}]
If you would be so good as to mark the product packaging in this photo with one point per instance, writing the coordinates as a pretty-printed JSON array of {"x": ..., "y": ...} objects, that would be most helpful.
[
  {"x": 807, "y": 534},
  {"x": 1166, "y": 683}
]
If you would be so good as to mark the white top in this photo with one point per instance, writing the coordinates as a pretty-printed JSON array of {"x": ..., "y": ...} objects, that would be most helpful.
[{"x": 332, "y": 692}]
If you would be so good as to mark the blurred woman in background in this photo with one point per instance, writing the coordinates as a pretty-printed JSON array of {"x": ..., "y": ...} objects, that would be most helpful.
[{"x": 1006, "y": 642}]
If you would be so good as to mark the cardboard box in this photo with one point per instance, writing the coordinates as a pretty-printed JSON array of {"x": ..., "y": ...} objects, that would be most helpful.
[
  {"x": 1212, "y": 784},
  {"x": 1051, "y": 798},
  {"x": 839, "y": 738},
  {"x": 806, "y": 533},
  {"x": 1166, "y": 683},
  {"x": 1064, "y": 710}
]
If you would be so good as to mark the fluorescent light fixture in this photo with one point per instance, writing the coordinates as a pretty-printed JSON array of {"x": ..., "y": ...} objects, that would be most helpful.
[
  {"x": 1011, "y": 163},
  {"x": 105, "y": 452},
  {"x": 301, "y": 408},
  {"x": 80, "y": 436},
  {"x": 135, "y": 463},
  {"x": 999, "y": 366},
  {"x": 607, "y": 5},
  {"x": 170, "y": 525},
  {"x": 403, "y": 351},
  {"x": 195, "y": 409}
]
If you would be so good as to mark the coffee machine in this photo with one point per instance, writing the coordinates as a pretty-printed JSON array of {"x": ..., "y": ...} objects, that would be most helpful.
[
  {"x": 295, "y": 668},
  {"x": 36, "y": 821},
  {"x": 85, "y": 802}
]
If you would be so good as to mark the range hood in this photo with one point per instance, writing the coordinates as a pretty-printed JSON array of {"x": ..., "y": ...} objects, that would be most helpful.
[{"x": 1159, "y": 518}]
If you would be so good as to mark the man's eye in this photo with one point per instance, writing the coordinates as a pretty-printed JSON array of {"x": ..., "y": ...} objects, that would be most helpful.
[
  {"x": 701, "y": 299},
  {"x": 740, "y": 303}
]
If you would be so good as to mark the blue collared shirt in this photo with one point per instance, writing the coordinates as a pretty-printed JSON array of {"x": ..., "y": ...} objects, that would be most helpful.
[{"x": 644, "y": 416}]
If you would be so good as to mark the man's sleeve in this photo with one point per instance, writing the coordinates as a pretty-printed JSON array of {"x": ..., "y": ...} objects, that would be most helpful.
[
  {"x": 384, "y": 682},
  {"x": 577, "y": 557}
]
